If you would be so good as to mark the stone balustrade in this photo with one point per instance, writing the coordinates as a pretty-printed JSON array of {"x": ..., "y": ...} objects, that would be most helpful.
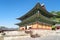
[{"x": 21, "y": 35}]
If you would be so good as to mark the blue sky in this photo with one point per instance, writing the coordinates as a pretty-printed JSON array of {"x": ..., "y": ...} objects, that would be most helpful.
[{"x": 12, "y": 9}]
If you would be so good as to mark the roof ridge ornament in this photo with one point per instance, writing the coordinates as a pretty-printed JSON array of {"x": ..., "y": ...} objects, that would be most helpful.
[
  {"x": 42, "y": 4},
  {"x": 37, "y": 5}
]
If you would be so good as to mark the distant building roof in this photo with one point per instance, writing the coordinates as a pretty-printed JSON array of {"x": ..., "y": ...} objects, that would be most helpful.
[
  {"x": 8, "y": 29},
  {"x": 57, "y": 24}
]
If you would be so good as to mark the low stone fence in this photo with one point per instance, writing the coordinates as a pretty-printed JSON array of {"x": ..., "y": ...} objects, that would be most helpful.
[
  {"x": 21, "y": 35},
  {"x": 46, "y": 32},
  {"x": 16, "y": 37},
  {"x": 12, "y": 33}
]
